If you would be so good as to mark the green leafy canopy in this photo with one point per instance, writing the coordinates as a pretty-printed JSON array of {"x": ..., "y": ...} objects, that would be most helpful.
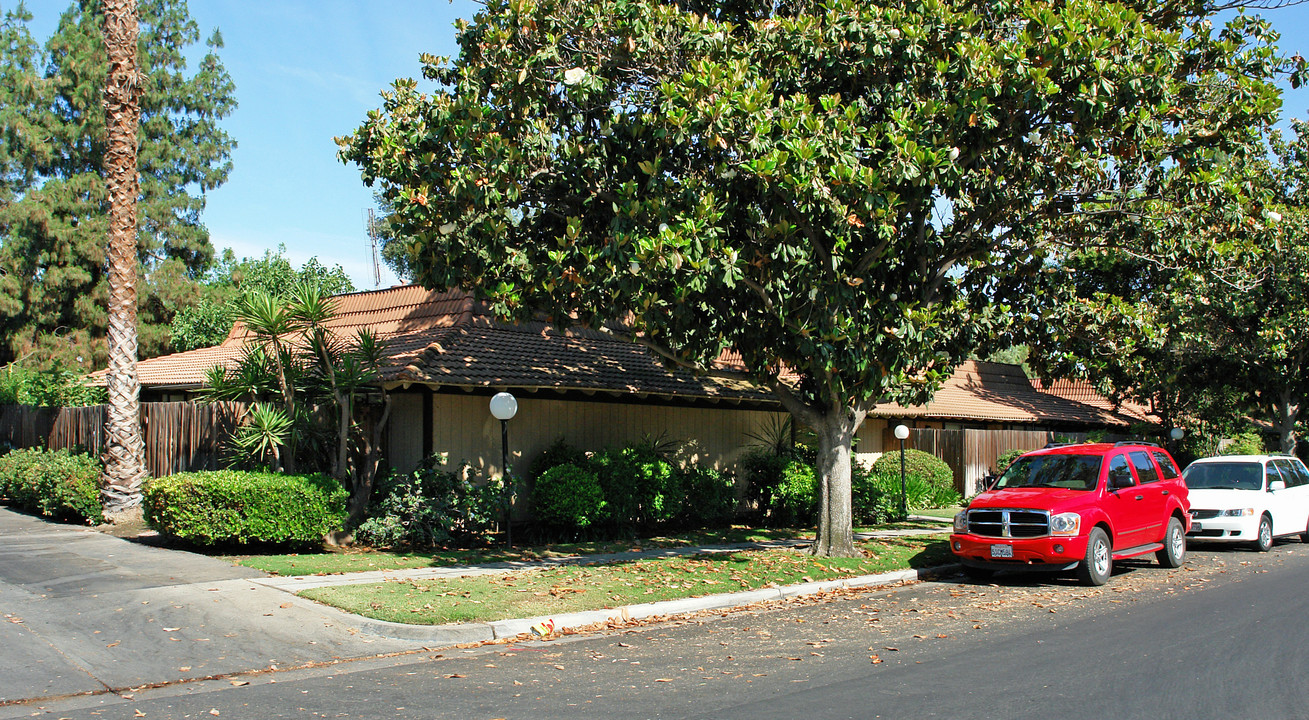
[{"x": 856, "y": 193}]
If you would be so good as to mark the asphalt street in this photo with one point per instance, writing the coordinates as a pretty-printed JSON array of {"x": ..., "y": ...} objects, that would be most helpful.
[{"x": 1221, "y": 637}]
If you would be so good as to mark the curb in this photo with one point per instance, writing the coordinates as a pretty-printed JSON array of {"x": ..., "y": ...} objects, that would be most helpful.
[{"x": 457, "y": 634}]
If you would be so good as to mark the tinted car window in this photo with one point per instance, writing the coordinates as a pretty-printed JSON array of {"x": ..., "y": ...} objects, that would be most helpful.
[
  {"x": 1077, "y": 472},
  {"x": 1230, "y": 475},
  {"x": 1300, "y": 471},
  {"x": 1120, "y": 472},
  {"x": 1272, "y": 474},
  {"x": 1145, "y": 471},
  {"x": 1289, "y": 475},
  {"x": 1167, "y": 465}
]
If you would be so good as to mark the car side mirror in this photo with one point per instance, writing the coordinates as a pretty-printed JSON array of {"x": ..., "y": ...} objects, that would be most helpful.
[
  {"x": 1118, "y": 482},
  {"x": 1276, "y": 485},
  {"x": 989, "y": 481}
]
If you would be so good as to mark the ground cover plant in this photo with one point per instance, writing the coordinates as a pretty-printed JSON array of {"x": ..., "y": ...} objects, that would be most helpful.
[{"x": 587, "y": 587}]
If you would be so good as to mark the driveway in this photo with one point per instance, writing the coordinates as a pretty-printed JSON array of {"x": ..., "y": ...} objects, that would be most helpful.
[{"x": 84, "y": 612}]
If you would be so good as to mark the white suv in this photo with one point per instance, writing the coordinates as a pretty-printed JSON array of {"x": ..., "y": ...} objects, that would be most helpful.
[{"x": 1248, "y": 498}]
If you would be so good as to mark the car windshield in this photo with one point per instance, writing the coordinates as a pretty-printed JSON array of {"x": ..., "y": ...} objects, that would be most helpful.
[
  {"x": 1076, "y": 472},
  {"x": 1228, "y": 475}
]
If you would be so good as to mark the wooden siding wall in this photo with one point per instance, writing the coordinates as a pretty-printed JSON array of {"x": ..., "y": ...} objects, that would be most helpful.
[
  {"x": 464, "y": 429},
  {"x": 179, "y": 436}
]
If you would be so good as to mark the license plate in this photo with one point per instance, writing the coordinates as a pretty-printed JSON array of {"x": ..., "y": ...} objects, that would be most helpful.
[{"x": 1002, "y": 551}]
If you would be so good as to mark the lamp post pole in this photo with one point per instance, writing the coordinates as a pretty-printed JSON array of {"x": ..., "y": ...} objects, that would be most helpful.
[
  {"x": 503, "y": 407},
  {"x": 901, "y": 433}
]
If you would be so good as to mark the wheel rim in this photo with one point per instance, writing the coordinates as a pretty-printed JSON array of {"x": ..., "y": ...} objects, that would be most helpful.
[
  {"x": 1100, "y": 556},
  {"x": 1265, "y": 533},
  {"x": 1178, "y": 542}
]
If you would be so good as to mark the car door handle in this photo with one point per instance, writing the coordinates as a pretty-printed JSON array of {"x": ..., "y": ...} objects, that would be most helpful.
[
  {"x": 1140, "y": 497},
  {"x": 1165, "y": 492}
]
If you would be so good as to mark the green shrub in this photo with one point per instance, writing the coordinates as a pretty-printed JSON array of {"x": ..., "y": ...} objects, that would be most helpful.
[
  {"x": 865, "y": 495},
  {"x": 1246, "y": 443},
  {"x": 1006, "y": 459},
  {"x": 55, "y": 484},
  {"x": 917, "y": 463},
  {"x": 762, "y": 472},
  {"x": 431, "y": 506},
  {"x": 709, "y": 496},
  {"x": 795, "y": 499},
  {"x": 568, "y": 496},
  {"x": 559, "y": 453},
  {"x": 641, "y": 488},
  {"x": 237, "y": 507},
  {"x": 919, "y": 493}
]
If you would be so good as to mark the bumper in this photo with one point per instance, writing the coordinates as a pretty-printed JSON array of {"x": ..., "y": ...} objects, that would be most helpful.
[
  {"x": 1229, "y": 529},
  {"x": 1046, "y": 553}
]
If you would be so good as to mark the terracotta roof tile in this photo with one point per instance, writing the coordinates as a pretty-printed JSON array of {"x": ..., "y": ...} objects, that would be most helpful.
[
  {"x": 445, "y": 338},
  {"x": 1084, "y": 392},
  {"x": 1002, "y": 393}
]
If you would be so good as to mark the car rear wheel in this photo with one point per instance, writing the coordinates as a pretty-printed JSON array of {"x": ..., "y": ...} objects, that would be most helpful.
[
  {"x": 1174, "y": 550},
  {"x": 1098, "y": 564},
  {"x": 1304, "y": 536},
  {"x": 1264, "y": 542}
]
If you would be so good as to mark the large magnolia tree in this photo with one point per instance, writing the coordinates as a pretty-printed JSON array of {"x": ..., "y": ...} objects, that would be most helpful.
[{"x": 848, "y": 191}]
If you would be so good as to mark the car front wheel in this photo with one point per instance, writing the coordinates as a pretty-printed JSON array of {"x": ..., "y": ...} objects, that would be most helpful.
[
  {"x": 1174, "y": 550},
  {"x": 1096, "y": 567},
  {"x": 1264, "y": 542}
]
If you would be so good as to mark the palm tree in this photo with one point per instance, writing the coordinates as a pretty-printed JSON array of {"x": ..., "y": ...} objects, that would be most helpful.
[{"x": 124, "y": 452}]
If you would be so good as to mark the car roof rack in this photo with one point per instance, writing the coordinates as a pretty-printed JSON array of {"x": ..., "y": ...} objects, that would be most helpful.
[
  {"x": 1146, "y": 443},
  {"x": 1056, "y": 444}
]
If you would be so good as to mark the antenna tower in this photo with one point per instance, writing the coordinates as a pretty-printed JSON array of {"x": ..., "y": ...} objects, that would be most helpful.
[{"x": 373, "y": 234}]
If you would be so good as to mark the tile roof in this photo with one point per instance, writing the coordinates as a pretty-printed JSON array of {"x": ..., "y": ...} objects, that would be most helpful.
[
  {"x": 1001, "y": 393},
  {"x": 445, "y": 338},
  {"x": 1084, "y": 392}
]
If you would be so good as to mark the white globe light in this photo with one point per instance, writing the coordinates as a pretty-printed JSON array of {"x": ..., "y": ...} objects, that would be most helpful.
[
  {"x": 504, "y": 406},
  {"x": 901, "y": 432},
  {"x": 1176, "y": 433}
]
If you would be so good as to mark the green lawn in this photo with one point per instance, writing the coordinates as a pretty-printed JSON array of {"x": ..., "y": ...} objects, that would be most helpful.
[
  {"x": 358, "y": 560},
  {"x": 589, "y": 587}
]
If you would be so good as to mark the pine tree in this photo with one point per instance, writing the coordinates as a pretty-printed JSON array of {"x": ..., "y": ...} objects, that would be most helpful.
[{"x": 53, "y": 202}]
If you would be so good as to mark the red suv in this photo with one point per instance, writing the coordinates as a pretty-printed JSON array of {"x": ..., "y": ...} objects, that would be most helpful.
[{"x": 1077, "y": 507}]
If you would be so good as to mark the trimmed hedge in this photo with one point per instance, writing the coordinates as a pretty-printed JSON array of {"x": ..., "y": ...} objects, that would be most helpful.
[
  {"x": 917, "y": 463},
  {"x": 55, "y": 484},
  {"x": 237, "y": 507}
]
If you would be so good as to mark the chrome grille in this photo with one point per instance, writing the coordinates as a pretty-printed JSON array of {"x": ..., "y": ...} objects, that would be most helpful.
[
  {"x": 1203, "y": 514},
  {"x": 1009, "y": 523}
]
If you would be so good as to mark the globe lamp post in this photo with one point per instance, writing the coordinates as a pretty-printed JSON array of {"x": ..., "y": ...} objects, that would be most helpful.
[
  {"x": 503, "y": 407},
  {"x": 902, "y": 434}
]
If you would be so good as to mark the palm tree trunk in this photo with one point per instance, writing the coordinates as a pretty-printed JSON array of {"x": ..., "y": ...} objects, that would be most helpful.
[{"x": 124, "y": 452}]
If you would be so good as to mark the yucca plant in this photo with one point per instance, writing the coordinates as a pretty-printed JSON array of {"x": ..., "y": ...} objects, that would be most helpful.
[{"x": 260, "y": 441}]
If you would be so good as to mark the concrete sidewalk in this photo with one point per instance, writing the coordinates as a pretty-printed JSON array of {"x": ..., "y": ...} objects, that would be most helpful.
[{"x": 84, "y": 612}]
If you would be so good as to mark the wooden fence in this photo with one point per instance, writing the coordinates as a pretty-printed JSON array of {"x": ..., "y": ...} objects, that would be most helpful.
[
  {"x": 972, "y": 454},
  {"x": 179, "y": 436}
]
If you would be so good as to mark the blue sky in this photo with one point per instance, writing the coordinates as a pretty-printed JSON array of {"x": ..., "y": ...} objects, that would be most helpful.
[{"x": 309, "y": 70}]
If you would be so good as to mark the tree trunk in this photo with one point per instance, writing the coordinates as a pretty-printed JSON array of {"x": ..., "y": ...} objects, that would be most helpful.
[
  {"x": 1288, "y": 413},
  {"x": 361, "y": 492},
  {"x": 835, "y": 430},
  {"x": 125, "y": 452}
]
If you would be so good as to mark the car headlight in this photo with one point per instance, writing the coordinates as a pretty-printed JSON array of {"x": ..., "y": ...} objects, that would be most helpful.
[
  {"x": 1068, "y": 523},
  {"x": 961, "y": 521},
  {"x": 1238, "y": 512}
]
